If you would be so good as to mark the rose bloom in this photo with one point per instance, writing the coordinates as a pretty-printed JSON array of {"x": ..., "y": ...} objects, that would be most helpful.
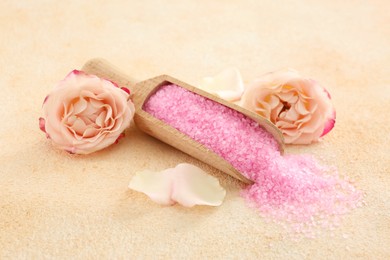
[
  {"x": 298, "y": 106},
  {"x": 85, "y": 113}
]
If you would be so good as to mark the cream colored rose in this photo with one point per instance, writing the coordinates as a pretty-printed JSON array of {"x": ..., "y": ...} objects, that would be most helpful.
[
  {"x": 298, "y": 106},
  {"x": 84, "y": 113}
]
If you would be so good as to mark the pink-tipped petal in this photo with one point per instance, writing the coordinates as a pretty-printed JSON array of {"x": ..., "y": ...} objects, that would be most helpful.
[
  {"x": 156, "y": 185},
  {"x": 42, "y": 124},
  {"x": 70, "y": 151},
  {"x": 119, "y": 138},
  {"x": 74, "y": 73},
  {"x": 44, "y": 101},
  {"x": 327, "y": 93},
  {"x": 329, "y": 124},
  {"x": 125, "y": 90},
  {"x": 113, "y": 83},
  {"x": 77, "y": 72}
]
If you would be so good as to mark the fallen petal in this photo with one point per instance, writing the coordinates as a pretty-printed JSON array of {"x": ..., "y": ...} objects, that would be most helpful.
[
  {"x": 185, "y": 184},
  {"x": 156, "y": 185},
  {"x": 227, "y": 84},
  {"x": 192, "y": 186}
]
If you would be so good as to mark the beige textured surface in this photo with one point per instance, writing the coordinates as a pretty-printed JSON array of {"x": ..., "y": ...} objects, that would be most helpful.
[{"x": 56, "y": 205}]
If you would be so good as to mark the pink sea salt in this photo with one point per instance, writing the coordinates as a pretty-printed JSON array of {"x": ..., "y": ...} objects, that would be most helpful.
[{"x": 294, "y": 188}]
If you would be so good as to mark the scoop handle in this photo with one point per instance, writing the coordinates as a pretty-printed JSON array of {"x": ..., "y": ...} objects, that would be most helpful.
[{"x": 104, "y": 69}]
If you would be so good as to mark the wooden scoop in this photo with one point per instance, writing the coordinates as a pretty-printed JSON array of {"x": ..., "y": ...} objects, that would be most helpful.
[{"x": 149, "y": 124}]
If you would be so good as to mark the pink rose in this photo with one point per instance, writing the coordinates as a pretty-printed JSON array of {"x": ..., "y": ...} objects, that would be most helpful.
[
  {"x": 85, "y": 113},
  {"x": 298, "y": 106}
]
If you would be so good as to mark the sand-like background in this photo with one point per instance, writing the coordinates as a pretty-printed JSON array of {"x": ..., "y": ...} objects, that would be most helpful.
[{"x": 54, "y": 205}]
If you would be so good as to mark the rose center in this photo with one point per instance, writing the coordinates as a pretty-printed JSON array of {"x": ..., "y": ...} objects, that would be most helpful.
[
  {"x": 286, "y": 107},
  {"x": 86, "y": 116}
]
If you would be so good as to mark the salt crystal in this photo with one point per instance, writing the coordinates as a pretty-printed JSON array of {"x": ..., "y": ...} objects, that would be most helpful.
[{"x": 291, "y": 188}]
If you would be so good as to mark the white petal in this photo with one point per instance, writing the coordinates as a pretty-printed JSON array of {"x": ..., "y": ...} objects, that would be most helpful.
[
  {"x": 192, "y": 186},
  {"x": 185, "y": 184},
  {"x": 227, "y": 84},
  {"x": 156, "y": 185}
]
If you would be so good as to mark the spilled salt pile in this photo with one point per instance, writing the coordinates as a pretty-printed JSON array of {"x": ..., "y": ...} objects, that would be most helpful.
[{"x": 292, "y": 189}]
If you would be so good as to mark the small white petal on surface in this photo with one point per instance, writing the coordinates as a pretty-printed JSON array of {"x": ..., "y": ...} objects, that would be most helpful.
[
  {"x": 186, "y": 184},
  {"x": 227, "y": 84},
  {"x": 156, "y": 185},
  {"x": 192, "y": 186}
]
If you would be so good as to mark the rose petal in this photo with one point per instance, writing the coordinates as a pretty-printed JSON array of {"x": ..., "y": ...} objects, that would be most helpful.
[
  {"x": 303, "y": 138},
  {"x": 108, "y": 113},
  {"x": 101, "y": 118},
  {"x": 227, "y": 84},
  {"x": 192, "y": 186},
  {"x": 80, "y": 106},
  {"x": 288, "y": 96},
  {"x": 314, "y": 82},
  {"x": 283, "y": 124},
  {"x": 79, "y": 126},
  {"x": 291, "y": 139},
  {"x": 96, "y": 103},
  {"x": 44, "y": 101},
  {"x": 274, "y": 101},
  {"x": 42, "y": 124},
  {"x": 70, "y": 120},
  {"x": 122, "y": 135},
  {"x": 185, "y": 184},
  {"x": 329, "y": 124},
  {"x": 289, "y": 131},
  {"x": 303, "y": 120},
  {"x": 301, "y": 108},
  {"x": 156, "y": 185},
  {"x": 275, "y": 112},
  {"x": 263, "y": 109},
  {"x": 315, "y": 123},
  {"x": 89, "y": 110},
  {"x": 125, "y": 90},
  {"x": 109, "y": 100},
  {"x": 90, "y": 132},
  {"x": 292, "y": 114},
  {"x": 307, "y": 138}
]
